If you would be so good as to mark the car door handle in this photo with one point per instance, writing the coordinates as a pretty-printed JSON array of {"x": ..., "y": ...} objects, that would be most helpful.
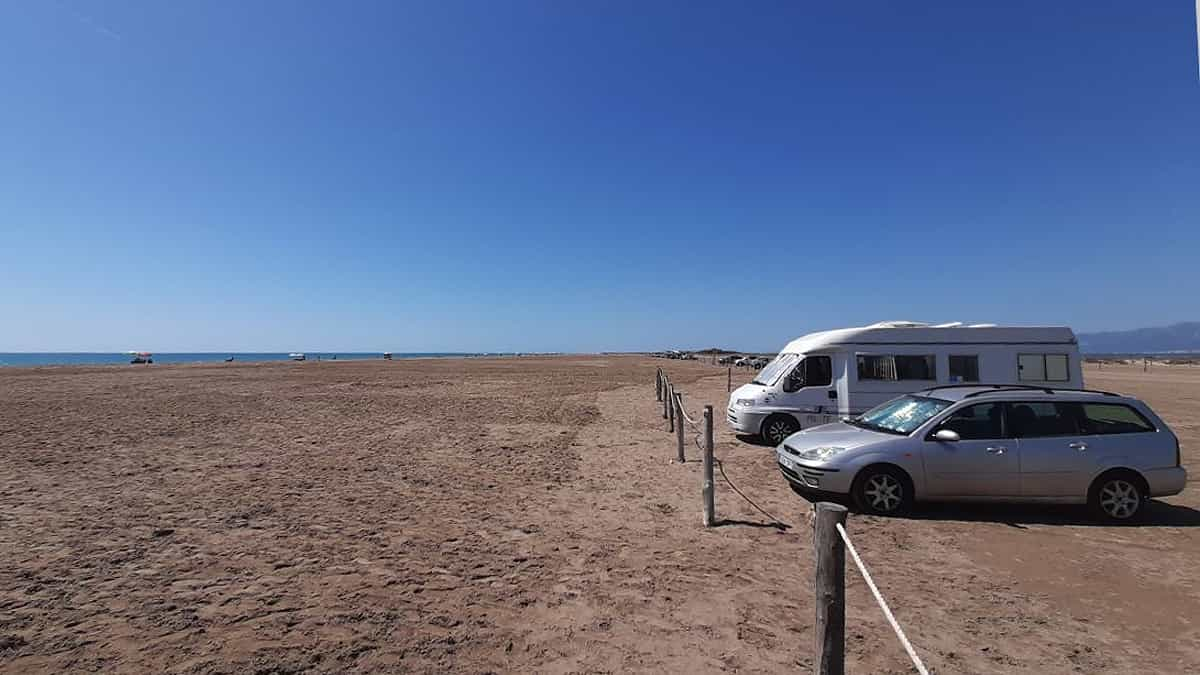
[
  {"x": 997, "y": 450},
  {"x": 1077, "y": 446}
]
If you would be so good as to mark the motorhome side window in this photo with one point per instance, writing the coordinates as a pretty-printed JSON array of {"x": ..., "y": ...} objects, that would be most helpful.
[
  {"x": 818, "y": 371},
  {"x": 813, "y": 371},
  {"x": 1043, "y": 368},
  {"x": 896, "y": 367},
  {"x": 964, "y": 368}
]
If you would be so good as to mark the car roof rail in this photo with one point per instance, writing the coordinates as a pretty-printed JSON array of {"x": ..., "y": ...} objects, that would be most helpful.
[
  {"x": 1047, "y": 390},
  {"x": 1010, "y": 387},
  {"x": 990, "y": 388},
  {"x": 1096, "y": 391},
  {"x": 972, "y": 385}
]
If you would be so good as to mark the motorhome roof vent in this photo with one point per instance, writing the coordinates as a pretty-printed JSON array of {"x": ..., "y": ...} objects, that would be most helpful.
[
  {"x": 952, "y": 324},
  {"x": 899, "y": 324},
  {"x": 982, "y": 325}
]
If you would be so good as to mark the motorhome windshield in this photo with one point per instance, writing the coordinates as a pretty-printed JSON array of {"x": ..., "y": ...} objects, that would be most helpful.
[
  {"x": 778, "y": 366},
  {"x": 900, "y": 415}
]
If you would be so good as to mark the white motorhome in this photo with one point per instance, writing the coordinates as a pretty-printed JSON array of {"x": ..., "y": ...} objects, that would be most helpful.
[{"x": 822, "y": 377}]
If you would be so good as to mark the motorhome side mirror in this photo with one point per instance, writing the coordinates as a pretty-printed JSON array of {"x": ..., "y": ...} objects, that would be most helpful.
[{"x": 947, "y": 436}]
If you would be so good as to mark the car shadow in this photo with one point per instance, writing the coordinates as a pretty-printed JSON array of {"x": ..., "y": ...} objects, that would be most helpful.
[{"x": 1154, "y": 514}]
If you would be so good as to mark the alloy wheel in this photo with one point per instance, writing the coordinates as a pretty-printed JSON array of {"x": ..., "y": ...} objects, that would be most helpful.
[
  {"x": 883, "y": 492},
  {"x": 1119, "y": 499},
  {"x": 778, "y": 430}
]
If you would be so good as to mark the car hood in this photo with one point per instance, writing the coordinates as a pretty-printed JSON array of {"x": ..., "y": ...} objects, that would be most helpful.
[{"x": 838, "y": 433}]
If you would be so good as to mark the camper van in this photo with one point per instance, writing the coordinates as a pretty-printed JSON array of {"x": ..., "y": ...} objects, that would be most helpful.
[{"x": 823, "y": 377}]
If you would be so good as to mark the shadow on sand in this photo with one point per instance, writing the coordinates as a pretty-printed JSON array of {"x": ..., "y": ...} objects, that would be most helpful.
[
  {"x": 1154, "y": 514},
  {"x": 722, "y": 522},
  {"x": 753, "y": 439}
]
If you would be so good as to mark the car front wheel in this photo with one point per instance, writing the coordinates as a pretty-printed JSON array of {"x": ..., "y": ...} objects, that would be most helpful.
[
  {"x": 882, "y": 490},
  {"x": 778, "y": 427}
]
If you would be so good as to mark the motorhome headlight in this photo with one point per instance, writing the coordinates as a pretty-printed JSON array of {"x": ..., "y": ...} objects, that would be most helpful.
[
  {"x": 822, "y": 453},
  {"x": 745, "y": 402}
]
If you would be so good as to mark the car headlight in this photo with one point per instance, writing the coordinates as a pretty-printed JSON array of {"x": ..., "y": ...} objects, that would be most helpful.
[
  {"x": 822, "y": 453},
  {"x": 745, "y": 402}
]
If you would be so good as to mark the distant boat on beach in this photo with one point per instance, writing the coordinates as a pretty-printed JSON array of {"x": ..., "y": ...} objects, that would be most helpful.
[
  {"x": 140, "y": 357},
  {"x": 297, "y": 356}
]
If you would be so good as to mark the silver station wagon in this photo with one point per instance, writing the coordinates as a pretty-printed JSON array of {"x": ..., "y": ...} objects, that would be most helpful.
[{"x": 991, "y": 442}]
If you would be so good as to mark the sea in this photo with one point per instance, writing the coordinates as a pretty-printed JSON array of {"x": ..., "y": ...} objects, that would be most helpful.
[{"x": 25, "y": 359}]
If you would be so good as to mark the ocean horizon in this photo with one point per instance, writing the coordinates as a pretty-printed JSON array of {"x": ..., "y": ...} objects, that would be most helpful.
[{"x": 26, "y": 359}]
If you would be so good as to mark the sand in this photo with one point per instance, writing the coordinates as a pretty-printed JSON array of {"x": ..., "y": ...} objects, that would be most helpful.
[{"x": 517, "y": 515}]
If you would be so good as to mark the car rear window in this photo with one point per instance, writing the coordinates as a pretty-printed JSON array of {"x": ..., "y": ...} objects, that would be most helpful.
[{"x": 1113, "y": 418}]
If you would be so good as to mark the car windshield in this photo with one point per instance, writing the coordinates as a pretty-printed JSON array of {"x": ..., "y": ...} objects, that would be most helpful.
[
  {"x": 775, "y": 368},
  {"x": 901, "y": 415}
]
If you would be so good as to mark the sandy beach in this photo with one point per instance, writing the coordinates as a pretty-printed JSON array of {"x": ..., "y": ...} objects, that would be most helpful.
[{"x": 518, "y": 515}]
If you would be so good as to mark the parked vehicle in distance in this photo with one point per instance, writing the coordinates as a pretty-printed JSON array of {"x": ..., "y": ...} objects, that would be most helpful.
[
  {"x": 759, "y": 363},
  {"x": 822, "y": 377},
  {"x": 728, "y": 359},
  {"x": 991, "y": 442}
]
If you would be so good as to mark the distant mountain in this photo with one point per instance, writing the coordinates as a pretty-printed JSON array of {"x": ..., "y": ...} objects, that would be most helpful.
[{"x": 1181, "y": 337}]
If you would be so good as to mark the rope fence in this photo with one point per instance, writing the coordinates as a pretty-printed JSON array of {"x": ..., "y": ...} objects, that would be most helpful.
[
  {"x": 830, "y": 539},
  {"x": 887, "y": 611},
  {"x": 678, "y": 421}
]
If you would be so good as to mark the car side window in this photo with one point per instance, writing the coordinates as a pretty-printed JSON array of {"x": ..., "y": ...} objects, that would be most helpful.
[
  {"x": 982, "y": 421},
  {"x": 1037, "y": 419},
  {"x": 1113, "y": 418}
]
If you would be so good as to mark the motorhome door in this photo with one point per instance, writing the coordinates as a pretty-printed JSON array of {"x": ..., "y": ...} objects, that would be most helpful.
[{"x": 806, "y": 391}]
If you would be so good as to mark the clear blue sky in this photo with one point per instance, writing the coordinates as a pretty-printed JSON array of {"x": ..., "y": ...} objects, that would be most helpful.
[{"x": 437, "y": 175}]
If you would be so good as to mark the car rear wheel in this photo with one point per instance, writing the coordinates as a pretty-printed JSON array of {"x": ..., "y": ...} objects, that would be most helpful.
[
  {"x": 882, "y": 490},
  {"x": 778, "y": 427},
  {"x": 1117, "y": 496}
]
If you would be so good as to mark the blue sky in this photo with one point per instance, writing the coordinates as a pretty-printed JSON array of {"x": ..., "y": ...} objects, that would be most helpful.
[{"x": 428, "y": 176}]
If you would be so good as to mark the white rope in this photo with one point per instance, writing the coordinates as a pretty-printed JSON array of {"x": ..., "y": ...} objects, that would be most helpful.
[
  {"x": 683, "y": 412},
  {"x": 912, "y": 653}
]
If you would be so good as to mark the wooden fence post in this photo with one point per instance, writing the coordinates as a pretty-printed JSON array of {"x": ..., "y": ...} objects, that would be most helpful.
[
  {"x": 710, "y": 508},
  {"x": 666, "y": 384},
  {"x": 658, "y": 385},
  {"x": 729, "y": 379},
  {"x": 671, "y": 407},
  {"x": 679, "y": 427},
  {"x": 830, "y": 628}
]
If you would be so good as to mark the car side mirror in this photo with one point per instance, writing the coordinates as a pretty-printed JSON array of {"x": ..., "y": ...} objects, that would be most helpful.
[{"x": 947, "y": 436}]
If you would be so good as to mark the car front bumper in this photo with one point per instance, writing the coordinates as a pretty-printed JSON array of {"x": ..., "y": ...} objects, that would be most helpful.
[
  {"x": 812, "y": 478},
  {"x": 743, "y": 421}
]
